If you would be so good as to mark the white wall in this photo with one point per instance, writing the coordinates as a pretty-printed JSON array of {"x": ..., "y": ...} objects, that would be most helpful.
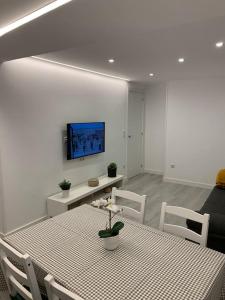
[
  {"x": 155, "y": 104},
  {"x": 1, "y": 184},
  {"x": 195, "y": 130},
  {"x": 37, "y": 99},
  {"x": 1, "y": 207}
]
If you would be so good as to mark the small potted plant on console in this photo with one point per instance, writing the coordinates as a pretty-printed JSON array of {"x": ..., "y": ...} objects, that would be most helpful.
[
  {"x": 65, "y": 186},
  {"x": 110, "y": 235},
  {"x": 112, "y": 168}
]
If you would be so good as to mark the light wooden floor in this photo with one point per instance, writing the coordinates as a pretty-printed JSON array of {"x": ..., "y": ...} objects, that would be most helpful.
[{"x": 159, "y": 191}]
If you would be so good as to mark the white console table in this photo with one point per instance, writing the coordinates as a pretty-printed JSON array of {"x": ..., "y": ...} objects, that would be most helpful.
[{"x": 56, "y": 204}]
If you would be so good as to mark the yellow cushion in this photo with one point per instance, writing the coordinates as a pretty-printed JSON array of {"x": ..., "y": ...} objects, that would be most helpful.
[{"x": 220, "y": 179}]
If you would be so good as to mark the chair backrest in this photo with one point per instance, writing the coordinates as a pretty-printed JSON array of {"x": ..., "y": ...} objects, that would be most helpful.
[
  {"x": 15, "y": 278},
  {"x": 183, "y": 231},
  {"x": 55, "y": 291},
  {"x": 128, "y": 211}
]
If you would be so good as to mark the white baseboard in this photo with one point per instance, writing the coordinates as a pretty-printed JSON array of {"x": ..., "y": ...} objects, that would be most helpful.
[
  {"x": 156, "y": 172},
  {"x": 188, "y": 182},
  {"x": 26, "y": 225}
]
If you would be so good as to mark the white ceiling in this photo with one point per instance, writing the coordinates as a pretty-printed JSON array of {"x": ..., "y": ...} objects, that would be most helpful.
[
  {"x": 142, "y": 35},
  {"x": 11, "y": 10}
]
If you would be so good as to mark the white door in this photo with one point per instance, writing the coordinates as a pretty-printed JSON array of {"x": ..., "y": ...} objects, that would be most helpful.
[{"x": 135, "y": 140}]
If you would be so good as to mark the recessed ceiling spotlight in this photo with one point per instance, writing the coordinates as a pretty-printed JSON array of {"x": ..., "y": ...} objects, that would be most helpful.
[
  {"x": 32, "y": 16},
  {"x": 111, "y": 60},
  {"x": 181, "y": 60},
  {"x": 219, "y": 44},
  {"x": 151, "y": 74}
]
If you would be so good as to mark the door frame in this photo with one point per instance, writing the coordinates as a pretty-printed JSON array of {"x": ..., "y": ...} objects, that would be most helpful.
[{"x": 142, "y": 94}]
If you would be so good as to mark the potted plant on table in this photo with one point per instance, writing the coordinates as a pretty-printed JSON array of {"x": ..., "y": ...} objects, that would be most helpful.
[
  {"x": 110, "y": 235},
  {"x": 65, "y": 186},
  {"x": 112, "y": 168}
]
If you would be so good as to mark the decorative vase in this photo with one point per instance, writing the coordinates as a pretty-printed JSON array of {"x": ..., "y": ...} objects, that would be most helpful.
[
  {"x": 111, "y": 243},
  {"x": 65, "y": 193},
  {"x": 112, "y": 172}
]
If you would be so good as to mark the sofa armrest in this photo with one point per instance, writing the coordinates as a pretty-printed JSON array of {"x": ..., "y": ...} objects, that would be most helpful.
[
  {"x": 216, "y": 224},
  {"x": 195, "y": 226}
]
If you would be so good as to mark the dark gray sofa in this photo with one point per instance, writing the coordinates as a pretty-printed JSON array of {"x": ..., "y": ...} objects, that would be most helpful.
[{"x": 215, "y": 207}]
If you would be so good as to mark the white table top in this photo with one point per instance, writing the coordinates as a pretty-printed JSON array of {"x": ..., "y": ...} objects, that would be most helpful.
[{"x": 148, "y": 264}]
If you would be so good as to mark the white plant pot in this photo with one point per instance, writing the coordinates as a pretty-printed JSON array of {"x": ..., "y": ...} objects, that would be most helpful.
[
  {"x": 111, "y": 243},
  {"x": 65, "y": 193}
]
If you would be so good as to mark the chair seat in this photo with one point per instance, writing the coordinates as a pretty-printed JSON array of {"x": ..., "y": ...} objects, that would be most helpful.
[{"x": 18, "y": 297}]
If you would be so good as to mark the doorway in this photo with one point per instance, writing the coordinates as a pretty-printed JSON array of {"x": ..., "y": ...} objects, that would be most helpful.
[{"x": 135, "y": 138}]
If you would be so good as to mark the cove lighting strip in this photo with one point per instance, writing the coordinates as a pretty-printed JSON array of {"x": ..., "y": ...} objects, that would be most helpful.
[
  {"x": 78, "y": 68},
  {"x": 34, "y": 15}
]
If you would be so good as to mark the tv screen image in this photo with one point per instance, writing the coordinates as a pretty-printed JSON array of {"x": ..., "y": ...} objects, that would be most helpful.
[{"x": 85, "y": 139}]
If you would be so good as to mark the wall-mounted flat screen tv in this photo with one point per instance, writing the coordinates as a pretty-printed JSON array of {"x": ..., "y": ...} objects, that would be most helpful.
[{"x": 84, "y": 139}]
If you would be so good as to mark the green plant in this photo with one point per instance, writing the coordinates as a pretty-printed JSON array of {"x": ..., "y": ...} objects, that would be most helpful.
[
  {"x": 109, "y": 232},
  {"x": 112, "y": 166},
  {"x": 65, "y": 185}
]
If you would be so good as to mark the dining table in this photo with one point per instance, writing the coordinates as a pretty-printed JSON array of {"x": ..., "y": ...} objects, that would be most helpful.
[{"x": 148, "y": 264}]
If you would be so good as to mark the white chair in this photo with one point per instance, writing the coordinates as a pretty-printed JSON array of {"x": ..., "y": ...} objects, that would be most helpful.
[
  {"x": 183, "y": 231},
  {"x": 15, "y": 278},
  {"x": 55, "y": 291},
  {"x": 128, "y": 211}
]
